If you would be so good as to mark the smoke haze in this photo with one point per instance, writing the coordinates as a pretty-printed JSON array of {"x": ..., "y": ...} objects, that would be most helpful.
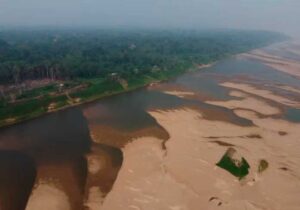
[{"x": 277, "y": 15}]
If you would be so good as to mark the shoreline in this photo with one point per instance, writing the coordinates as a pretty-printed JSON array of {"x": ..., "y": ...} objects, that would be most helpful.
[
  {"x": 195, "y": 67},
  {"x": 3, "y": 125},
  {"x": 94, "y": 99}
]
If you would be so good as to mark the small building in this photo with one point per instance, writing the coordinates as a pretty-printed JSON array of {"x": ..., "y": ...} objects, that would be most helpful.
[{"x": 114, "y": 76}]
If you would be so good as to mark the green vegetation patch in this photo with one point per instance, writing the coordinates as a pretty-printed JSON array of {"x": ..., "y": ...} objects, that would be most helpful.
[
  {"x": 97, "y": 88},
  {"x": 237, "y": 167},
  {"x": 263, "y": 165},
  {"x": 38, "y": 91}
]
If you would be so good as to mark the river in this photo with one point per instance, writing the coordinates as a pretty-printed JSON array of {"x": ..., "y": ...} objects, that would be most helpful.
[{"x": 59, "y": 148}]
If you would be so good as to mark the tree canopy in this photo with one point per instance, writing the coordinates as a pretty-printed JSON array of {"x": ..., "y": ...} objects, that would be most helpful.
[{"x": 68, "y": 54}]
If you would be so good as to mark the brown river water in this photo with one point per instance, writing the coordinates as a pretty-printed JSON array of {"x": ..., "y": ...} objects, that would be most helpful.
[{"x": 55, "y": 148}]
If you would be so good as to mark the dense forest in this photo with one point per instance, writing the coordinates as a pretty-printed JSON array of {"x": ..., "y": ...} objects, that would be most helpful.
[
  {"x": 46, "y": 70},
  {"x": 69, "y": 54}
]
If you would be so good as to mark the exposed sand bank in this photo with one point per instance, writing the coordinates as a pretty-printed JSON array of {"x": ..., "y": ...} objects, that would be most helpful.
[
  {"x": 95, "y": 198},
  {"x": 181, "y": 94},
  {"x": 113, "y": 137},
  {"x": 203, "y": 66},
  {"x": 288, "y": 66},
  {"x": 266, "y": 94},
  {"x": 104, "y": 163},
  {"x": 47, "y": 196},
  {"x": 248, "y": 103},
  {"x": 289, "y": 88},
  {"x": 185, "y": 175},
  {"x": 61, "y": 184}
]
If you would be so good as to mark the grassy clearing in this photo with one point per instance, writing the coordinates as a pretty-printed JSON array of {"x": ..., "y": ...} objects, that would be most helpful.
[{"x": 38, "y": 101}]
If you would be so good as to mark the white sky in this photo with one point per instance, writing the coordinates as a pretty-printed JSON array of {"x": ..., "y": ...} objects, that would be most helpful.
[{"x": 279, "y": 15}]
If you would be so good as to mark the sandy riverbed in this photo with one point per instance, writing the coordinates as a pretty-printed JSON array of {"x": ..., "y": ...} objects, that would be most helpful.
[
  {"x": 184, "y": 176},
  {"x": 47, "y": 196},
  {"x": 285, "y": 65},
  {"x": 266, "y": 94}
]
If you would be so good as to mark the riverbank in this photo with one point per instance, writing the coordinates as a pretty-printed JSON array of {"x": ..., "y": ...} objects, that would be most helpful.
[
  {"x": 97, "y": 89},
  {"x": 50, "y": 77}
]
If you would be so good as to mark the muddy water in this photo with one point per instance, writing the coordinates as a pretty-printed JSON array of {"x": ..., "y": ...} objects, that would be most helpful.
[
  {"x": 80, "y": 148},
  {"x": 17, "y": 175},
  {"x": 57, "y": 145}
]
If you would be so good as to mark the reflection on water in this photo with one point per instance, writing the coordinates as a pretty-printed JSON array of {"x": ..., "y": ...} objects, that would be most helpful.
[{"x": 293, "y": 114}]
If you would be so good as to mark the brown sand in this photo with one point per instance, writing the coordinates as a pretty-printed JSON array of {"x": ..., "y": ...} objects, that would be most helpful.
[
  {"x": 289, "y": 88},
  {"x": 104, "y": 163},
  {"x": 117, "y": 138},
  {"x": 185, "y": 175},
  {"x": 46, "y": 196},
  {"x": 278, "y": 63},
  {"x": 95, "y": 198},
  {"x": 59, "y": 183},
  {"x": 180, "y": 94},
  {"x": 248, "y": 103},
  {"x": 266, "y": 94}
]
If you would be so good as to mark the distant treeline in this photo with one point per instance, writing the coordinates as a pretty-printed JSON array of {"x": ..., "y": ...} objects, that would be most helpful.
[{"x": 68, "y": 54}]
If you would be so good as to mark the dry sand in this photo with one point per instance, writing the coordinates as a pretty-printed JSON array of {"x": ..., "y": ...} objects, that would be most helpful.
[
  {"x": 117, "y": 138},
  {"x": 46, "y": 196},
  {"x": 289, "y": 88},
  {"x": 59, "y": 184},
  {"x": 185, "y": 176},
  {"x": 248, "y": 103},
  {"x": 266, "y": 94},
  {"x": 103, "y": 163},
  {"x": 288, "y": 66},
  {"x": 95, "y": 198},
  {"x": 180, "y": 94}
]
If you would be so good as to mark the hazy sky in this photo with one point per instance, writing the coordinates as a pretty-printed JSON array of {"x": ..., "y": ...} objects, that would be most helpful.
[{"x": 282, "y": 15}]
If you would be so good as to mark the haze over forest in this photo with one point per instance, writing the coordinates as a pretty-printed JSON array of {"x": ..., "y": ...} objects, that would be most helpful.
[{"x": 277, "y": 15}]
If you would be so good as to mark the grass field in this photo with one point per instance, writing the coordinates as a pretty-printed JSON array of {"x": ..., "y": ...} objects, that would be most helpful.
[{"x": 35, "y": 102}]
